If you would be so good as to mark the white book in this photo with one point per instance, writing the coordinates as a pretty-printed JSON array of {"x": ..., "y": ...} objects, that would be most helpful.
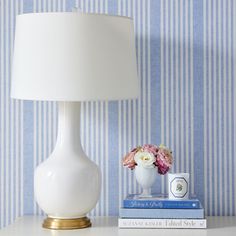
[{"x": 162, "y": 223}]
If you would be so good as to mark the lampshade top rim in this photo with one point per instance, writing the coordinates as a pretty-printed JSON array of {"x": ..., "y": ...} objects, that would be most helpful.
[
  {"x": 76, "y": 13},
  {"x": 76, "y": 100}
]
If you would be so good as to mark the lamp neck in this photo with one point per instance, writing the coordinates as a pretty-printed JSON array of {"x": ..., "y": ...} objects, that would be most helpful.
[{"x": 68, "y": 138}]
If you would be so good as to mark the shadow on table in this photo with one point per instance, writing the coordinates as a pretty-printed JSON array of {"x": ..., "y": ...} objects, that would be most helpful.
[
  {"x": 104, "y": 222},
  {"x": 220, "y": 222}
]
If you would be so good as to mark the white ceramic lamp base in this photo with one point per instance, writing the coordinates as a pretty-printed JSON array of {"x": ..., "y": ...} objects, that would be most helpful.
[{"x": 67, "y": 185}]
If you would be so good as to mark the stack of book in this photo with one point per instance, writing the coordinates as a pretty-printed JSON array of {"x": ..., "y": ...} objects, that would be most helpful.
[{"x": 161, "y": 212}]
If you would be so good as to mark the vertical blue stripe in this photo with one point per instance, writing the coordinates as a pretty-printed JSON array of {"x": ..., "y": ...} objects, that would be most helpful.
[
  {"x": 28, "y": 6},
  {"x": 169, "y": 77},
  {"x": 146, "y": 73},
  {"x": 198, "y": 98},
  {"x": 178, "y": 90},
  {"x": 113, "y": 159},
  {"x": 141, "y": 76},
  {"x": 208, "y": 123},
  {"x": 69, "y": 5},
  {"x": 42, "y": 132},
  {"x": 217, "y": 100},
  {"x": 9, "y": 118},
  {"x": 156, "y": 78},
  {"x": 222, "y": 102},
  {"x": 189, "y": 93},
  {"x": 28, "y": 157},
  {"x": 36, "y": 130},
  {"x": 174, "y": 147},
  {"x": 211, "y": 80},
  {"x": 4, "y": 111},
  {"x": 163, "y": 72},
  {"x": 233, "y": 137},
  {"x": 183, "y": 128},
  {"x": 1, "y": 108},
  {"x": 14, "y": 162},
  {"x": 227, "y": 151},
  {"x": 28, "y": 143},
  {"x": 20, "y": 175}
]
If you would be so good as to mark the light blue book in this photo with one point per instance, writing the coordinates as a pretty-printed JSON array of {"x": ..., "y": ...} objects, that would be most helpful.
[
  {"x": 162, "y": 213},
  {"x": 160, "y": 201}
]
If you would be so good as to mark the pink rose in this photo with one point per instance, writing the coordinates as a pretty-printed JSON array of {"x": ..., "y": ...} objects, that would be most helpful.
[
  {"x": 150, "y": 148},
  {"x": 163, "y": 161},
  {"x": 128, "y": 160}
]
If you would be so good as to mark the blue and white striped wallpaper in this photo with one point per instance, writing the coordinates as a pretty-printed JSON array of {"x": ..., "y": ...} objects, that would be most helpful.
[{"x": 186, "y": 63}]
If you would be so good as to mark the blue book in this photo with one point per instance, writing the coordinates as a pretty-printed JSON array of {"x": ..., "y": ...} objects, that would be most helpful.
[
  {"x": 159, "y": 202},
  {"x": 162, "y": 213}
]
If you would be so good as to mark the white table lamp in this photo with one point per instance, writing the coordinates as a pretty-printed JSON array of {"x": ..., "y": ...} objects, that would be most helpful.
[{"x": 71, "y": 57}]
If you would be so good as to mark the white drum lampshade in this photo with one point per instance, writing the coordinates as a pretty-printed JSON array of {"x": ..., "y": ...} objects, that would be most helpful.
[
  {"x": 71, "y": 57},
  {"x": 74, "y": 57}
]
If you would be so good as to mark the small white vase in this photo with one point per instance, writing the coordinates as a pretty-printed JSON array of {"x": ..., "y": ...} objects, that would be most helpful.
[{"x": 146, "y": 178}]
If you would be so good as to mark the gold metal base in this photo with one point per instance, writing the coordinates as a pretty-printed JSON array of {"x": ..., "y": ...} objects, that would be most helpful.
[{"x": 65, "y": 224}]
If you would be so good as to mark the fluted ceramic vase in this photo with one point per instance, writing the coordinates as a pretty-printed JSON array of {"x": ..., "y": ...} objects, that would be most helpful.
[{"x": 146, "y": 178}]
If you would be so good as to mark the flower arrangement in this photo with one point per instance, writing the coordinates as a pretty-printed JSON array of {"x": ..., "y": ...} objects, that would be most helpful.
[{"x": 149, "y": 156}]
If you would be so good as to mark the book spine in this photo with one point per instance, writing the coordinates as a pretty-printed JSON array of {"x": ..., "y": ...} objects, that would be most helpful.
[
  {"x": 162, "y": 223},
  {"x": 162, "y": 213},
  {"x": 161, "y": 204}
]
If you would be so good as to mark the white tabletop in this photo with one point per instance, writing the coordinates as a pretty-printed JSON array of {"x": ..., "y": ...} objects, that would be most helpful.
[{"x": 107, "y": 226}]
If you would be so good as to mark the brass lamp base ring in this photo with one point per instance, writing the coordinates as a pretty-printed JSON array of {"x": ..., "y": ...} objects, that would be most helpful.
[{"x": 65, "y": 224}]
